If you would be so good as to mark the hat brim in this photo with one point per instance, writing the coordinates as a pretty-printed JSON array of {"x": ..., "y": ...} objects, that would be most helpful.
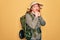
[
  {"x": 35, "y": 4},
  {"x": 39, "y": 5}
]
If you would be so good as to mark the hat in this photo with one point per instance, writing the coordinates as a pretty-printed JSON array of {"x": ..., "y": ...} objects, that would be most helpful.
[{"x": 33, "y": 3}]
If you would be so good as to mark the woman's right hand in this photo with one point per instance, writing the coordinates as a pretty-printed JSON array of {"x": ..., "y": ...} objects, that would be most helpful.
[{"x": 37, "y": 14}]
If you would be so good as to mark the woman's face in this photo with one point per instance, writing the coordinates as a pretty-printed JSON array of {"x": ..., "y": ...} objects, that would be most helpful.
[{"x": 35, "y": 8}]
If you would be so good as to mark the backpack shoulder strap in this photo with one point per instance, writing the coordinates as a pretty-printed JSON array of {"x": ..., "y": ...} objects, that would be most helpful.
[{"x": 30, "y": 15}]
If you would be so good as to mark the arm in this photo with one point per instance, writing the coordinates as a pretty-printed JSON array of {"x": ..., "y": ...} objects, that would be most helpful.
[
  {"x": 42, "y": 22},
  {"x": 30, "y": 22}
]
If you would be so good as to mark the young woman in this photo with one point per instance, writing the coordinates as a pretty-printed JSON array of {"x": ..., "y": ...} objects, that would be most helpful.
[
  {"x": 37, "y": 21},
  {"x": 34, "y": 22}
]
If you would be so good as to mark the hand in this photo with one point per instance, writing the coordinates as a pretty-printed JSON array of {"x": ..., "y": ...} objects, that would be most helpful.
[{"x": 37, "y": 14}]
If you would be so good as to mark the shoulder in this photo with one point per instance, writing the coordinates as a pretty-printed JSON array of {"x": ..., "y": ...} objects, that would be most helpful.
[{"x": 28, "y": 14}]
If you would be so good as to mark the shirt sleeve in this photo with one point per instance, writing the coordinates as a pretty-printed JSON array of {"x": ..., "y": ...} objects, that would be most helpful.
[
  {"x": 41, "y": 20},
  {"x": 30, "y": 22}
]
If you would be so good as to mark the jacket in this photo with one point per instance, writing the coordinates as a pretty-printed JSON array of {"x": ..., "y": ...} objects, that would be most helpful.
[{"x": 32, "y": 24}]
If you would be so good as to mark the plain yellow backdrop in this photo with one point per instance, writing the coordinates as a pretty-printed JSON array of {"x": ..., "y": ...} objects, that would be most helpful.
[{"x": 12, "y": 10}]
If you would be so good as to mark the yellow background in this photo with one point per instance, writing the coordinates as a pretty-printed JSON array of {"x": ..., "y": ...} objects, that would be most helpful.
[{"x": 12, "y": 10}]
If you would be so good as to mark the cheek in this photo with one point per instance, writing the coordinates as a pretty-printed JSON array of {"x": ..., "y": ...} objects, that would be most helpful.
[{"x": 33, "y": 8}]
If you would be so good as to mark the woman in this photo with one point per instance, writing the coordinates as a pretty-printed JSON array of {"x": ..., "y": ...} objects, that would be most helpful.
[
  {"x": 37, "y": 22},
  {"x": 34, "y": 21}
]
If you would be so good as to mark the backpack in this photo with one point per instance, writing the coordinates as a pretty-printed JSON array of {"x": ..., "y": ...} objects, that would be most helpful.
[{"x": 26, "y": 29}]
